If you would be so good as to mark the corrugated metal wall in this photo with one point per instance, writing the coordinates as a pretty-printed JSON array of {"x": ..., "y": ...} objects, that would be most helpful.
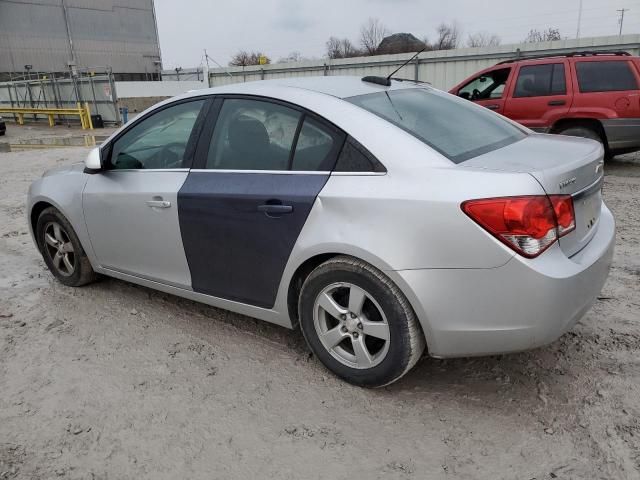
[
  {"x": 443, "y": 69},
  {"x": 120, "y": 34}
]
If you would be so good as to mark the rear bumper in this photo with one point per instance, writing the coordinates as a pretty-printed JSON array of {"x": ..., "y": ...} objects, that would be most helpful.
[
  {"x": 520, "y": 305},
  {"x": 622, "y": 133}
]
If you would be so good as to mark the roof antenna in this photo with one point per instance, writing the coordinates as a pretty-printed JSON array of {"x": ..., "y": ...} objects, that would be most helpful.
[{"x": 386, "y": 81}]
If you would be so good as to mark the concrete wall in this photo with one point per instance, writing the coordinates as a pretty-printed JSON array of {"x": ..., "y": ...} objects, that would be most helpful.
[
  {"x": 443, "y": 69},
  {"x": 47, "y": 34}
]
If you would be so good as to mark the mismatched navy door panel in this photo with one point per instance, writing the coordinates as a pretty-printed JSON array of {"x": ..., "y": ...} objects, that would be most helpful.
[{"x": 238, "y": 230}]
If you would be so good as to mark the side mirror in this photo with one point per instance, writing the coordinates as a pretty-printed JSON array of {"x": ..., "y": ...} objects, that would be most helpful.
[
  {"x": 464, "y": 95},
  {"x": 93, "y": 163}
]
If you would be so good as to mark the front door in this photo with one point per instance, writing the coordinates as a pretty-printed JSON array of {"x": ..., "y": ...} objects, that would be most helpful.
[
  {"x": 131, "y": 208},
  {"x": 242, "y": 210},
  {"x": 540, "y": 96}
]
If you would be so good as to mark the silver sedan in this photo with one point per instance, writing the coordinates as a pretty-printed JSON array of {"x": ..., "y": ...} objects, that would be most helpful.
[{"x": 382, "y": 220}]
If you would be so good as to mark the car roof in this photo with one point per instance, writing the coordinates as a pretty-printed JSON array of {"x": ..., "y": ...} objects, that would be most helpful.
[{"x": 336, "y": 86}]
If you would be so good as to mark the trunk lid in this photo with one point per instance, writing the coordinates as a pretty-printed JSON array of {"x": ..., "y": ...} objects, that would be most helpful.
[{"x": 561, "y": 165}]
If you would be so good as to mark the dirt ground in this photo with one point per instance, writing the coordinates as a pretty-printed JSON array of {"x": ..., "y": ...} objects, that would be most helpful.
[{"x": 116, "y": 381}]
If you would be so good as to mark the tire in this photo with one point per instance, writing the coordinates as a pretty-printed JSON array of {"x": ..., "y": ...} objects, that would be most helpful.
[
  {"x": 347, "y": 303},
  {"x": 61, "y": 249},
  {"x": 587, "y": 132}
]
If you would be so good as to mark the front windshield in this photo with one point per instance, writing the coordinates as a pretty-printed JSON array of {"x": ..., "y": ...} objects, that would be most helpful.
[{"x": 454, "y": 127}]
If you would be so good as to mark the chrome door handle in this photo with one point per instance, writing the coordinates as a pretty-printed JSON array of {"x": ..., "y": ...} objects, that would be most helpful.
[{"x": 158, "y": 203}]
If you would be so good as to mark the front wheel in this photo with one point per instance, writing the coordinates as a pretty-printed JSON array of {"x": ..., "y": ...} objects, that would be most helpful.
[
  {"x": 358, "y": 323},
  {"x": 61, "y": 249}
]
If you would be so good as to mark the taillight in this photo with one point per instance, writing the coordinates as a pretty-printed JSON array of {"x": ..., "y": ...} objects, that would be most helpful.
[
  {"x": 528, "y": 224},
  {"x": 563, "y": 208}
]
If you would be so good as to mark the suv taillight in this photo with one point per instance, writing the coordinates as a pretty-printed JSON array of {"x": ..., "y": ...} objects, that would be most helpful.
[{"x": 528, "y": 224}]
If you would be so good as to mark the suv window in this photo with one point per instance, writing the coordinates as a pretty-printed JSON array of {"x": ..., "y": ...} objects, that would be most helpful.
[
  {"x": 261, "y": 135},
  {"x": 541, "y": 80},
  {"x": 486, "y": 86},
  {"x": 159, "y": 141},
  {"x": 606, "y": 76},
  {"x": 456, "y": 128}
]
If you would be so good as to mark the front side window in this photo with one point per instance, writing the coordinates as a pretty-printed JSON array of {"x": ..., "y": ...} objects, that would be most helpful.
[
  {"x": 159, "y": 141},
  {"x": 457, "y": 129},
  {"x": 541, "y": 80},
  {"x": 487, "y": 86},
  {"x": 261, "y": 135},
  {"x": 609, "y": 76}
]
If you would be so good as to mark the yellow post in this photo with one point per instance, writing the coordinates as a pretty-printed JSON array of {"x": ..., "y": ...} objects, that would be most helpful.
[
  {"x": 20, "y": 119},
  {"x": 51, "y": 124},
  {"x": 86, "y": 105},
  {"x": 81, "y": 113}
]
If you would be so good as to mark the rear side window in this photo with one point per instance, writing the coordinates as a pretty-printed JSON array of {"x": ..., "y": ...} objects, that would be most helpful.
[
  {"x": 541, "y": 80},
  {"x": 457, "y": 129},
  {"x": 607, "y": 76},
  {"x": 263, "y": 135},
  {"x": 355, "y": 158}
]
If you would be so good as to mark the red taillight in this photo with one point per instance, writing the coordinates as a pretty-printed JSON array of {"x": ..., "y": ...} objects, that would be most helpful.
[
  {"x": 527, "y": 224},
  {"x": 563, "y": 208}
]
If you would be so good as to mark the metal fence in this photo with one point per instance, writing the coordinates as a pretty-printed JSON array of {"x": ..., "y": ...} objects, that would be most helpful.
[
  {"x": 443, "y": 69},
  {"x": 57, "y": 91}
]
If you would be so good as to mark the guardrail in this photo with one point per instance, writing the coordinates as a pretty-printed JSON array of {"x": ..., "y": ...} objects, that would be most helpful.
[{"x": 82, "y": 111}]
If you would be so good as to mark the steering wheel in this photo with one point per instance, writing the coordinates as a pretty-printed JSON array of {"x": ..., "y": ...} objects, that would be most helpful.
[
  {"x": 170, "y": 155},
  {"x": 475, "y": 94}
]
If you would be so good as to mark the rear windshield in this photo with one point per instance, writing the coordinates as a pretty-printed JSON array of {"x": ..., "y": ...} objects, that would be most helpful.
[{"x": 454, "y": 127}]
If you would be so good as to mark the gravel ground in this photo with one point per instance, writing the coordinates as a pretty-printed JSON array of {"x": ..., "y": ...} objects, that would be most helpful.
[{"x": 119, "y": 381}]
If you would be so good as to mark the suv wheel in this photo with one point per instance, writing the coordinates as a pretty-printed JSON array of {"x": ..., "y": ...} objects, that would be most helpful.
[
  {"x": 358, "y": 323},
  {"x": 586, "y": 132}
]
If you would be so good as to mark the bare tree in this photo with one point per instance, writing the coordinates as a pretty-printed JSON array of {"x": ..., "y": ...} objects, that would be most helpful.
[
  {"x": 371, "y": 34},
  {"x": 341, "y": 48},
  {"x": 292, "y": 58},
  {"x": 483, "y": 39},
  {"x": 547, "y": 35},
  {"x": 448, "y": 36},
  {"x": 244, "y": 58}
]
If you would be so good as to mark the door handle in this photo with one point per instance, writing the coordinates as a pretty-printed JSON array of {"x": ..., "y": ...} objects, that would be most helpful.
[
  {"x": 275, "y": 209},
  {"x": 554, "y": 103},
  {"x": 158, "y": 203},
  {"x": 492, "y": 107}
]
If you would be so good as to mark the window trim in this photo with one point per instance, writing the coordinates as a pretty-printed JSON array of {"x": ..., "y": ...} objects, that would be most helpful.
[
  {"x": 550, "y": 94},
  {"x": 202, "y": 149},
  {"x": 107, "y": 149}
]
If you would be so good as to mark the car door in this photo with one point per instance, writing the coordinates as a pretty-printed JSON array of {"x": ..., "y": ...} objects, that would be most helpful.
[
  {"x": 261, "y": 165},
  {"x": 541, "y": 95},
  {"x": 488, "y": 89},
  {"x": 130, "y": 207}
]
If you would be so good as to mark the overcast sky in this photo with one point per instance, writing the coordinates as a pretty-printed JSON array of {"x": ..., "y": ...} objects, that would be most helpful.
[{"x": 279, "y": 27}]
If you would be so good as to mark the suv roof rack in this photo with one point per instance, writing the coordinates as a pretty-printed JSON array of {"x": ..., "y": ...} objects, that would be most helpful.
[{"x": 570, "y": 54}]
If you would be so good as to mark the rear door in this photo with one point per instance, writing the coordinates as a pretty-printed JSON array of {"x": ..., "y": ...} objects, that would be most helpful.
[
  {"x": 608, "y": 90},
  {"x": 540, "y": 95},
  {"x": 260, "y": 166},
  {"x": 488, "y": 89}
]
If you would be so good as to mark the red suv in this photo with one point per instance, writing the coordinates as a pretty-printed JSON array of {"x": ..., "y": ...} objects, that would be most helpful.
[{"x": 585, "y": 94}]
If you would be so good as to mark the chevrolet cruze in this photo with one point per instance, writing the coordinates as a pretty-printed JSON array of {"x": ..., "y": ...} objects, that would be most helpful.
[{"x": 382, "y": 218}]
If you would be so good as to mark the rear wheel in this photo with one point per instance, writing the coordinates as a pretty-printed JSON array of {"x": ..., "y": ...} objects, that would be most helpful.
[
  {"x": 358, "y": 323},
  {"x": 61, "y": 249},
  {"x": 585, "y": 132}
]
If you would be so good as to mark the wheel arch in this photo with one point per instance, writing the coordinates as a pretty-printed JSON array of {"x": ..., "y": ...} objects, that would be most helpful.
[
  {"x": 309, "y": 264},
  {"x": 591, "y": 123}
]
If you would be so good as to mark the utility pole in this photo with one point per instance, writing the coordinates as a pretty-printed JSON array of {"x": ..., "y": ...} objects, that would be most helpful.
[
  {"x": 621, "y": 20},
  {"x": 206, "y": 60},
  {"x": 579, "y": 19}
]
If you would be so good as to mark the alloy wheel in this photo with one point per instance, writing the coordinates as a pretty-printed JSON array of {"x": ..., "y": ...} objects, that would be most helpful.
[
  {"x": 59, "y": 248},
  {"x": 351, "y": 325}
]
